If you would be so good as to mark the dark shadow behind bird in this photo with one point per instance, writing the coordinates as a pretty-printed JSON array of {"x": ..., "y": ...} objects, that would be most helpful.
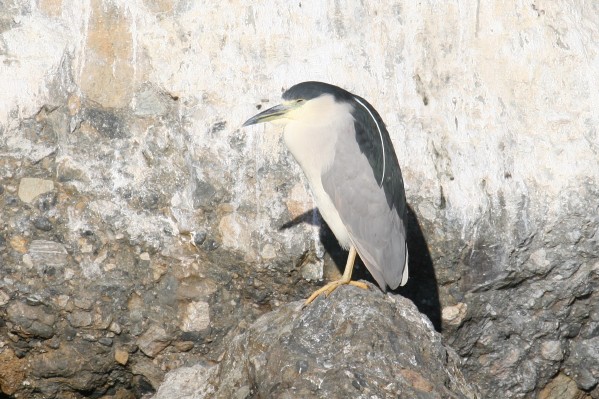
[{"x": 422, "y": 286}]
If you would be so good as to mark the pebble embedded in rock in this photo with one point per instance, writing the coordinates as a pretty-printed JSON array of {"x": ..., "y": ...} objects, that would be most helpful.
[
  {"x": 83, "y": 302},
  {"x": 154, "y": 340},
  {"x": 210, "y": 245},
  {"x": 583, "y": 363},
  {"x": 121, "y": 356},
  {"x": 42, "y": 223},
  {"x": 46, "y": 253},
  {"x": 196, "y": 316},
  {"x": 312, "y": 271},
  {"x": 14, "y": 372},
  {"x": 268, "y": 252},
  {"x": 18, "y": 243},
  {"x": 552, "y": 350},
  {"x": 198, "y": 238},
  {"x": 115, "y": 328},
  {"x": 561, "y": 387},
  {"x": 196, "y": 288},
  {"x": 183, "y": 346},
  {"x": 31, "y": 187},
  {"x": 31, "y": 320},
  {"x": 149, "y": 100},
  {"x": 235, "y": 231},
  {"x": 80, "y": 318},
  {"x": 4, "y": 297},
  {"x": 454, "y": 315},
  {"x": 76, "y": 361}
]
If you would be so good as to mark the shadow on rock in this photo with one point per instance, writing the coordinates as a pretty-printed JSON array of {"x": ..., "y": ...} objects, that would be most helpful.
[
  {"x": 353, "y": 343},
  {"x": 422, "y": 285}
]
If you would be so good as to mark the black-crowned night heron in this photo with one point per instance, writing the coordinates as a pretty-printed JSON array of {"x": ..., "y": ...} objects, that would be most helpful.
[{"x": 344, "y": 149}]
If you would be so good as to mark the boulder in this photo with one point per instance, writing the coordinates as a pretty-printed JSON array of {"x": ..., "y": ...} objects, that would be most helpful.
[{"x": 354, "y": 344}]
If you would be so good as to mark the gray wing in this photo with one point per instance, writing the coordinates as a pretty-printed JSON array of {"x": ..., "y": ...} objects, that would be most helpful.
[{"x": 376, "y": 225}]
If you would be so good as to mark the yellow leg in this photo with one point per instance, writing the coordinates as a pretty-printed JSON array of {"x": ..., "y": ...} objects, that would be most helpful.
[{"x": 345, "y": 279}]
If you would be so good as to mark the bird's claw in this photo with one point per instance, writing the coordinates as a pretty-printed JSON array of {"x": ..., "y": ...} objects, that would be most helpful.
[{"x": 332, "y": 286}]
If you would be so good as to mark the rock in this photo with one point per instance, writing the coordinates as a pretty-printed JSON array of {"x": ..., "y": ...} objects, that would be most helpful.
[
  {"x": 42, "y": 223},
  {"x": 69, "y": 170},
  {"x": 353, "y": 343},
  {"x": 583, "y": 363},
  {"x": 150, "y": 101},
  {"x": 183, "y": 346},
  {"x": 552, "y": 350},
  {"x": 193, "y": 287},
  {"x": 31, "y": 187},
  {"x": 14, "y": 371},
  {"x": 108, "y": 26},
  {"x": 80, "y": 318},
  {"x": 115, "y": 328},
  {"x": 312, "y": 271},
  {"x": 196, "y": 316},
  {"x": 235, "y": 232},
  {"x": 203, "y": 194},
  {"x": 18, "y": 243},
  {"x": 198, "y": 238},
  {"x": 153, "y": 340},
  {"x": 31, "y": 320},
  {"x": 83, "y": 302},
  {"x": 148, "y": 374},
  {"x": 193, "y": 383},
  {"x": 121, "y": 356},
  {"x": 454, "y": 315},
  {"x": 4, "y": 298},
  {"x": 84, "y": 365},
  {"x": 561, "y": 387},
  {"x": 46, "y": 254}
]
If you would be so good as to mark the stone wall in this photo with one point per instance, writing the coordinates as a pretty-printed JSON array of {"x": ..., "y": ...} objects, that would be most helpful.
[{"x": 139, "y": 224}]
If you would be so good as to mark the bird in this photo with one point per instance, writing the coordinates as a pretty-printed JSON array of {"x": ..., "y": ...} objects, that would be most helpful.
[{"x": 343, "y": 147}]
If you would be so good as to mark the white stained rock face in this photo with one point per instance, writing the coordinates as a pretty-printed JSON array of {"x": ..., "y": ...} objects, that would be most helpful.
[{"x": 491, "y": 106}]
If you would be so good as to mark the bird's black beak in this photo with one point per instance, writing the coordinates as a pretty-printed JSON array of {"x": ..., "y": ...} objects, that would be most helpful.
[{"x": 276, "y": 112}]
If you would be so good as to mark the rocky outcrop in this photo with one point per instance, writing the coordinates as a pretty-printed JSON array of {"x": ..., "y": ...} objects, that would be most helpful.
[
  {"x": 355, "y": 343},
  {"x": 139, "y": 225}
]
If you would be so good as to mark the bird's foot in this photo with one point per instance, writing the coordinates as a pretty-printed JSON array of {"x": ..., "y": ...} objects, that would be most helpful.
[{"x": 332, "y": 286}]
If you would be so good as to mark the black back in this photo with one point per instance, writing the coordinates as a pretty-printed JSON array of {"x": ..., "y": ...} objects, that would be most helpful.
[{"x": 371, "y": 145}]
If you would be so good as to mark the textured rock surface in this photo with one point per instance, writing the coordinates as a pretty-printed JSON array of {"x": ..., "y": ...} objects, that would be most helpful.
[
  {"x": 156, "y": 221},
  {"x": 354, "y": 344}
]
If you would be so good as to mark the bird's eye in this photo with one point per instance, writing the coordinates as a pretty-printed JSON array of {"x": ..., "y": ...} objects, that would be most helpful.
[{"x": 301, "y": 100}]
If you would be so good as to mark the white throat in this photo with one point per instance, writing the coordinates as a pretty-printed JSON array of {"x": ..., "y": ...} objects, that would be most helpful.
[{"x": 311, "y": 135}]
